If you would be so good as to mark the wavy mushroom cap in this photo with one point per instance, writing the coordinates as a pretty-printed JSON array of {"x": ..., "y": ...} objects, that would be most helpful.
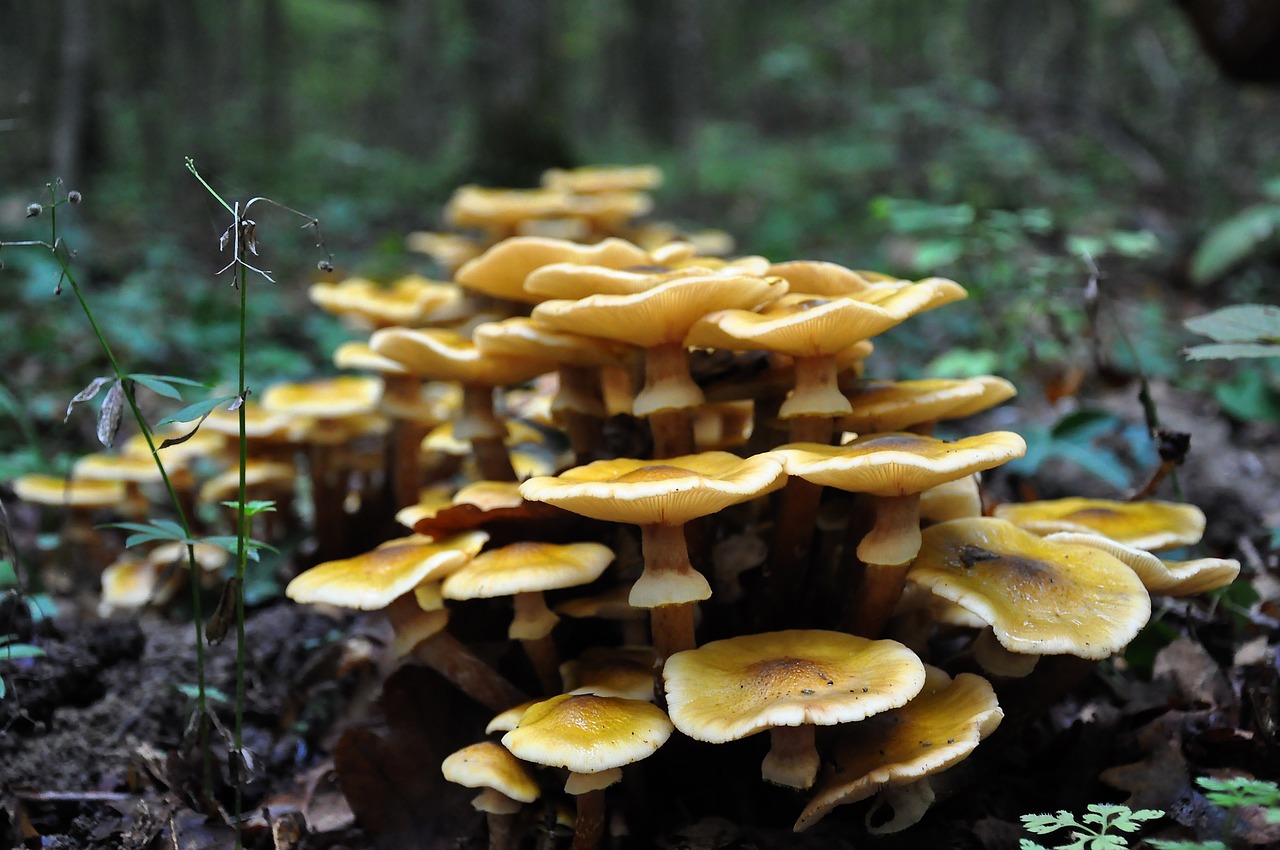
[
  {"x": 527, "y": 567},
  {"x": 447, "y": 355},
  {"x": 1160, "y": 577},
  {"x": 668, "y": 492},
  {"x": 1040, "y": 597},
  {"x": 625, "y": 672},
  {"x": 795, "y": 325},
  {"x": 898, "y": 464},
  {"x": 895, "y": 405},
  {"x": 729, "y": 689},
  {"x": 522, "y": 337},
  {"x": 501, "y": 270},
  {"x": 1144, "y": 525},
  {"x": 660, "y": 315},
  {"x": 937, "y": 729},
  {"x": 50, "y": 490}
]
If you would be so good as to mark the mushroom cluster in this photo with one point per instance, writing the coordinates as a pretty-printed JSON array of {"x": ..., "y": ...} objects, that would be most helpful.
[{"x": 704, "y": 524}]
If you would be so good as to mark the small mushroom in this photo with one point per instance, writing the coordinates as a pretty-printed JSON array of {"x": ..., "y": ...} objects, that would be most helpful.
[
  {"x": 506, "y": 783},
  {"x": 1151, "y": 525},
  {"x": 593, "y": 737}
]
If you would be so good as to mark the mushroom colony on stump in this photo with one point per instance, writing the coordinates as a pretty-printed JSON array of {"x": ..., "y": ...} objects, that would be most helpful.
[{"x": 723, "y": 529}]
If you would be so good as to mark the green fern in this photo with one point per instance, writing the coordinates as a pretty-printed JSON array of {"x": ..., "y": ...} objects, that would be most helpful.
[{"x": 1102, "y": 827}]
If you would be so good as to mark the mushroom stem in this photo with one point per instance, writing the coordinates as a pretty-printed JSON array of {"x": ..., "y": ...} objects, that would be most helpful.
[
  {"x": 887, "y": 552},
  {"x": 581, "y": 405},
  {"x": 590, "y": 827},
  {"x": 500, "y": 830},
  {"x": 404, "y": 462},
  {"x": 668, "y": 587},
  {"x": 326, "y": 502},
  {"x": 450, "y": 658},
  {"x": 793, "y": 757},
  {"x": 480, "y": 425},
  {"x": 672, "y": 433},
  {"x": 817, "y": 389}
]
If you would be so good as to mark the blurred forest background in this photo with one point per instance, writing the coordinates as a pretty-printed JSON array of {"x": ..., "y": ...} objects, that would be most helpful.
[{"x": 1004, "y": 143}]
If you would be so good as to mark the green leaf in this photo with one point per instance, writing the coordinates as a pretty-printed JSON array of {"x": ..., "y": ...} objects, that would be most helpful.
[
  {"x": 232, "y": 544},
  {"x": 191, "y": 691},
  {"x": 2, "y": 688},
  {"x": 1232, "y": 242},
  {"x": 14, "y": 651},
  {"x": 1028, "y": 844},
  {"x": 167, "y": 379},
  {"x": 1044, "y": 824},
  {"x": 157, "y": 386},
  {"x": 41, "y": 607},
  {"x": 1247, "y": 397},
  {"x": 197, "y": 410},
  {"x": 254, "y": 506},
  {"x": 1238, "y": 323},
  {"x": 1231, "y": 351}
]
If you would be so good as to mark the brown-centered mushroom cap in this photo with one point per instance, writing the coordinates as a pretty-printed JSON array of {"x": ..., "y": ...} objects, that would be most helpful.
[
  {"x": 1040, "y": 597},
  {"x": 936, "y": 730},
  {"x": 787, "y": 682},
  {"x": 1144, "y": 525},
  {"x": 668, "y": 492}
]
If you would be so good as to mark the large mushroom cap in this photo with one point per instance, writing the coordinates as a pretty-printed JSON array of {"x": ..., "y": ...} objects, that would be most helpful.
[
  {"x": 669, "y": 492},
  {"x": 1143, "y": 525},
  {"x": 1040, "y": 597},
  {"x": 447, "y": 355},
  {"x": 729, "y": 689},
  {"x": 50, "y": 490},
  {"x": 527, "y": 567},
  {"x": 796, "y": 325},
  {"x": 937, "y": 729},
  {"x": 894, "y": 405},
  {"x": 331, "y": 398},
  {"x": 407, "y": 301},
  {"x": 586, "y": 733}
]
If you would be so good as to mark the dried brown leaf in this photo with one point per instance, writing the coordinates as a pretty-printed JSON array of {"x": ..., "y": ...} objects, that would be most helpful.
[{"x": 110, "y": 413}]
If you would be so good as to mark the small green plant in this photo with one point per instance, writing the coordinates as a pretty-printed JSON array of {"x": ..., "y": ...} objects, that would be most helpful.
[
  {"x": 1231, "y": 794},
  {"x": 1105, "y": 826}
]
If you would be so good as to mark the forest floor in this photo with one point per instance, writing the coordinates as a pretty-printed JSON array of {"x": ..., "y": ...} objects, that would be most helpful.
[{"x": 98, "y": 748}]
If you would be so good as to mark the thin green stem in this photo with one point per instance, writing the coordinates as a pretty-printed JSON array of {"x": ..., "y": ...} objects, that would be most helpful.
[
  {"x": 242, "y": 538},
  {"x": 145, "y": 430}
]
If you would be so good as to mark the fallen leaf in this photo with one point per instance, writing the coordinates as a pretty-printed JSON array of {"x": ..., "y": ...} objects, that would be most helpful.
[{"x": 1196, "y": 676}]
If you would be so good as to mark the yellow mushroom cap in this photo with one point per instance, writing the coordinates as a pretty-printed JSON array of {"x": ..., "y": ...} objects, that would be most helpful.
[
  {"x": 407, "y": 301},
  {"x": 450, "y": 250},
  {"x": 200, "y": 444},
  {"x": 523, "y": 337},
  {"x": 209, "y": 557},
  {"x": 527, "y": 567},
  {"x": 574, "y": 280},
  {"x": 934, "y": 731},
  {"x": 447, "y": 355},
  {"x": 590, "y": 179},
  {"x": 1040, "y": 597},
  {"x": 822, "y": 279},
  {"x": 431, "y": 500},
  {"x": 101, "y": 466},
  {"x": 1144, "y": 525},
  {"x": 127, "y": 583},
  {"x": 729, "y": 689},
  {"x": 586, "y": 733},
  {"x": 610, "y": 605},
  {"x": 443, "y": 439},
  {"x": 260, "y": 424},
  {"x": 895, "y": 405},
  {"x": 51, "y": 490},
  {"x": 501, "y": 270},
  {"x": 332, "y": 398},
  {"x": 358, "y": 355},
  {"x": 952, "y": 500},
  {"x": 661, "y": 314},
  {"x": 488, "y": 765},
  {"x": 1160, "y": 577},
  {"x": 372, "y": 580},
  {"x": 796, "y": 325},
  {"x": 669, "y": 492},
  {"x": 898, "y": 464},
  {"x": 261, "y": 477},
  {"x": 509, "y": 719}
]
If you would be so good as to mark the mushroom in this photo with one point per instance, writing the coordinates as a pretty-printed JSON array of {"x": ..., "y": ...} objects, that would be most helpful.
[
  {"x": 506, "y": 783},
  {"x": 592, "y": 737},
  {"x": 523, "y": 571},
  {"x": 387, "y": 578},
  {"x": 657, "y": 319},
  {"x": 661, "y": 497},
  {"x": 787, "y": 682},
  {"x": 81, "y": 499},
  {"x": 899, "y": 405},
  {"x": 591, "y": 179},
  {"x": 1039, "y": 597},
  {"x": 1151, "y": 525},
  {"x": 446, "y": 355},
  {"x": 894, "y": 469},
  {"x": 501, "y": 271},
  {"x": 1160, "y": 577},
  {"x": 939, "y": 728},
  {"x": 409, "y": 301}
]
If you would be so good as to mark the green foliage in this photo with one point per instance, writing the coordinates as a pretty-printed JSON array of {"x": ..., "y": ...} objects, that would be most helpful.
[
  {"x": 1241, "y": 237},
  {"x": 1100, "y": 443},
  {"x": 1103, "y": 827},
  {"x": 12, "y": 650},
  {"x": 157, "y": 530},
  {"x": 1241, "y": 330}
]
